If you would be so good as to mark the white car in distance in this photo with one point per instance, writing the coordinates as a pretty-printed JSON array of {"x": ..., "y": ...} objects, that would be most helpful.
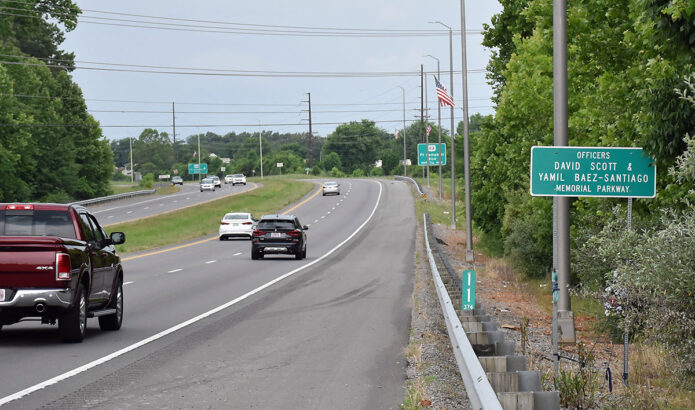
[
  {"x": 331, "y": 187},
  {"x": 238, "y": 179},
  {"x": 237, "y": 224},
  {"x": 207, "y": 184}
]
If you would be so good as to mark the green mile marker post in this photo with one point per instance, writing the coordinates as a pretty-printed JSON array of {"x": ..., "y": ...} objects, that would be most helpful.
[{"x": 468, "y": 290}]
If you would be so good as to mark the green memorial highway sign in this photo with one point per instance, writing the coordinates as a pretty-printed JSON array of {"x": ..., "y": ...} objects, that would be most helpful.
[
  {"x": 592, "y": 171},
  {"x": 423, "y": 150}
]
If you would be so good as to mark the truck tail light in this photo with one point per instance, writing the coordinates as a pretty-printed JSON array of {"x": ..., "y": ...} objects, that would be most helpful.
[{"x": 62, "y": 266}]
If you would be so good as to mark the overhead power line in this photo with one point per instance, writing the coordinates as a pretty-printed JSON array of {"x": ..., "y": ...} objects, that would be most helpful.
[
  {"x": 212, "y": 26},
  {"x": 151, "y": 69}
]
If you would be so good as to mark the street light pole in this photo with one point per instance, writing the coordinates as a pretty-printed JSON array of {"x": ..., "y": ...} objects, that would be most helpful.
[
  {"x": 466, "y": 142},
  {"x": 453, "y": 128},
  {"x": 132, "y": 175},
  {"x": 405, "y": 171},
  {"x": 260, "y": 146},
  {"x": 439, "y": 131}
]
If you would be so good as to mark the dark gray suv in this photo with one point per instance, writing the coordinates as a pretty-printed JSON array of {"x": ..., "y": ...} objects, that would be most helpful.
[{"x": 279, "y": 234}]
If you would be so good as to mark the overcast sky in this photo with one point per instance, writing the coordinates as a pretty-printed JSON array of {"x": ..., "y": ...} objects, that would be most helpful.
[{"x": 199, "y": 40}]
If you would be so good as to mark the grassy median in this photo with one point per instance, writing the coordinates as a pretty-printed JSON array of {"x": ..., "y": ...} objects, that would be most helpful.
[{"x": 204, "y": 220}]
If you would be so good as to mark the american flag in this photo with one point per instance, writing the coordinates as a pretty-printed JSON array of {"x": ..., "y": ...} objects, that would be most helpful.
[
  {"x": 429, "y": 129},
  {"x": 397, "y": 131},
  {"x": 444, "y": 98}
]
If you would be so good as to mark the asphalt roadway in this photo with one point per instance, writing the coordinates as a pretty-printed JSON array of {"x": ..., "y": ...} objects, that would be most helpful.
[{"x": 207, "y": 327}]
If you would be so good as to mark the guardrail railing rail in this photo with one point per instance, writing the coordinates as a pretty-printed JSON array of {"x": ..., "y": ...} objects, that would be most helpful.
[{"x": 114, "y": 197}]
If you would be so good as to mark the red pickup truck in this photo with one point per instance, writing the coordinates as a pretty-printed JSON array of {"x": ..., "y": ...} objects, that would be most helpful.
[{"x": 57, "y": 264}]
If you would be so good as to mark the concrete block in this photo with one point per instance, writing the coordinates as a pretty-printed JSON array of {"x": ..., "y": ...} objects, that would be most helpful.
[
  {"x": 472, "y": 326},
  {"x": 546, "y": 400},
  {"x": 529, "y": 380},
  {"x": 504, "y": 381},
  {"x": 489, "y": 326},
  {"x": 493, "y": 364},
  {"x": 505, "y": 348},
  {"x": 516, "y": 401},
  {"x": 516, "y": 363}
]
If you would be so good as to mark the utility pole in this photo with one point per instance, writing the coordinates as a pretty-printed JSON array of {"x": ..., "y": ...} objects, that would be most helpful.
[
  {"x": 422, "y": 110},
  {"x": 565, "y": 317},
  {"x": 405, "y": 171},
  {"x": 260, "y": 146},
  {"x": 311, "y": 137},
  {"x": 466, "y": 144},
  {"x": 427, "y": 135},
  {"x": 200, "y": 154},
  {"x": 132, "y": 175},
  {"x": 173, "y": 120}
]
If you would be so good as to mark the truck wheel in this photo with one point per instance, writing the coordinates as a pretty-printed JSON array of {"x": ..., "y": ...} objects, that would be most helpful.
[
  {"x": 114, "y": 321},
  {"x": 73, "y": 323}
]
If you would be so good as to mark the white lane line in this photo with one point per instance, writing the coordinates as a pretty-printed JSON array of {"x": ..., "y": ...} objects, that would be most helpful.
[
  {"x": 316, "y": 220},
  {"x": 110, "y": 216},
  {"x": 129, "y": 212},
  {"x": 333, "y": 209},
  {"x": 237, "y": 254},
  {"x": 328, "y": 213},
  {"x": 188, "y": 322},
  {"x": 175, "y": 270},
  {"x": 175, "y": 201},
  {"x": 147, "y": 207},
  {"x": 188, "y": 197},
  {"x": 323, "y": 216},
  {"x": 127, "y": 283},
  {"x": 209, "y": 262}
]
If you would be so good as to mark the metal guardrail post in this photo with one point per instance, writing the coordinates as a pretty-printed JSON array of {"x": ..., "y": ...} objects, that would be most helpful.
[{"x": 480, "y": 392}]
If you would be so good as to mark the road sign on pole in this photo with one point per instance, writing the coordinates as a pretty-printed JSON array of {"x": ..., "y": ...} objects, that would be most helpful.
[
  {"x": 198, "y": 168},
  {"x": 592, "y": 171},
  {"x": 423, "y": 150}
]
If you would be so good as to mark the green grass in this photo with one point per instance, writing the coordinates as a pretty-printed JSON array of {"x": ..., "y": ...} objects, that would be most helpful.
[
  {"x": 120, "y": 187},
  {"x": 203, "y": 220}
]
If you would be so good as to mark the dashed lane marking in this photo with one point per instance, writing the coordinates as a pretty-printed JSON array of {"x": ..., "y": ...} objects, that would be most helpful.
[
  {"x": 175, "y": 270},
  {"x": 209, "y": 262}
]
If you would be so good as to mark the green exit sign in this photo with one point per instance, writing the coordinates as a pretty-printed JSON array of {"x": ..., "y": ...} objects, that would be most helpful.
[{"x": 592, "y": 171}]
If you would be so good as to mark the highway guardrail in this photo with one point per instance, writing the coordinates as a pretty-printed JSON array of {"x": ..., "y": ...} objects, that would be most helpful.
[
  {"x": 116, "y": 197},
  {"x": 423, "y": 195}
]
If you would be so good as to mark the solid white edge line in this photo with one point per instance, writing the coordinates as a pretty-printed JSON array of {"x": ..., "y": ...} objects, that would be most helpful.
[{"x": 173, "y": 329}]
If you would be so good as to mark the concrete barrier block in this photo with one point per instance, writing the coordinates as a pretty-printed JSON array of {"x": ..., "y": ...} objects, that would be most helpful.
[
  {"x": 516, "y": 401},
  {"x": 505, "y": 348},
  {"x": 529, "y": 380},
  {"x": 472, "y": 326},
  {"x": 493, "y": 364},
  {"x": 546, "y": 400},
  {"x": 516, "y": 363},
  {"x": 504, "y": 381}
]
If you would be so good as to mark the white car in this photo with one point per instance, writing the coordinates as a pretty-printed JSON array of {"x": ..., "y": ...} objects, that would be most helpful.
[
  {"x": 238, "y": 179},
  {"x": 331, "y": 187},
  {"x": 228, "y": 179},
  {"x": 207, "y": 184},
  {"x": 235, "y": 224}
]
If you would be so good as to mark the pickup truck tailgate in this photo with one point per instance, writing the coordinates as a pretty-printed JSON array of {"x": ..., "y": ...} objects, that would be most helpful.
[{"x": 28, "y": 261}]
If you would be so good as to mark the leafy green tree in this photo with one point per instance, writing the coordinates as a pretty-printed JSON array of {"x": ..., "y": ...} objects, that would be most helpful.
[
  {"x": 357, "y": 144},
  {"x": 330, "y": 161}
]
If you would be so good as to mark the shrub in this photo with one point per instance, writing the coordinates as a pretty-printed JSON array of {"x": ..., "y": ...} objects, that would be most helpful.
[
  {"x": 336, "y": 173},
  {"x": 377, "y": 172},
  {"x": 315, "y": 170},
  {"x": 358, "y": 172},
  {"x": 147, "y": 181}
]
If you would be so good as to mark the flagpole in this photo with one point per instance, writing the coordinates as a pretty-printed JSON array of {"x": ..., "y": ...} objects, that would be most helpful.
[
  {"x": 427, "y": 136},
  {"x": 439, "y": 130}
]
